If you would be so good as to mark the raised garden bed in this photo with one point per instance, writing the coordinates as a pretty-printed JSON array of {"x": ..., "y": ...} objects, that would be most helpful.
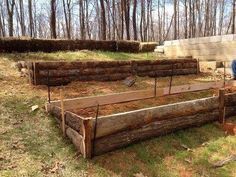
[{"x": 102, "y": 133}]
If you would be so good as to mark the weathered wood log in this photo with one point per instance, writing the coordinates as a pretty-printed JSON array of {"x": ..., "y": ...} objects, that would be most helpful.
[
  {"x": 76, "y": 139},
  {"x": 157, "y": 128},
  {"x": 168, "y": 61},
  {"x": 84, "y": 102},
  {"x": 230, "y": 99},
  {"x": 84, "y": 72},
  {"x": 110, "y": 124},
  {"x": 222, "y": 105},
  {"x": 72, "y": 120},
  {"x": 166, "y": 67},
  {"x": 55, "y": 81},
  {"x": 230, "y": 111},
  {"x": 88, "y": 133},
  {"x": 73, "y": 135},
  {"x": 108, "y": 64},
  {"x": 65, "y": 80},
  {"x": 81, "y": 64},
  {"x": 164, "y": 73}
]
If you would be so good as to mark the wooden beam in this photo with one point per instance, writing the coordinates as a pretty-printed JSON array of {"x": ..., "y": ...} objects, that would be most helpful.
[
  {"x": 230, "y": 99},
  {"x": 91, "y": 101},
  {"x": 130, "y": 120},
  {"x": 87, "y": 135},
  {"x": 222, "y": 106},
  {"x": 73, "y": 120},
  {"x": 73, "y": 135},
  {"x": 157, "y": 128},
  {"x": 85, "y": 102},
  {"x": 62, "y": 112},
  {"x": 76, "y": 138}
]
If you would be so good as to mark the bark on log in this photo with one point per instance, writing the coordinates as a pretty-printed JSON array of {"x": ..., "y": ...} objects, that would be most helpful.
[
  {"x": 66, "y": 80},
  {"x": 118, "y": 140},
  {"x": 84, "y": 72},
  {"x": 81, "y": 64},
  {"x": 73, "y": 135},
  {"x": 230, "y": 111},
  {"x": 168, "y": 61},
  {"x": 107, "y": 125},
  {"x": 166, "y": 67},
  {"x": 76, "y": 139},
  {"x": 72, "y": 120},
  {"x": 55, "y": 81},
  {"x": 164, "y": 73},
  {"x": 230, "y": 99}
]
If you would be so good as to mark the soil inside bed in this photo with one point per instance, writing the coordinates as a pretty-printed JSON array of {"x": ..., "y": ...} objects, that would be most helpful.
[
  {"x": 140, "y": 104},
  {"x": 85, "y": 89}
]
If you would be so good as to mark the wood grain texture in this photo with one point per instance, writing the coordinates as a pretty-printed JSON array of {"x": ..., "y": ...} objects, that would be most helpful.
[
  {"x": 85, "y": 102},
  {"x": 87, "y": 134},
  {"x": 157, "y": 128},
  {"x": 72, "y": 120},
  {"x": 107, "y": 125}
]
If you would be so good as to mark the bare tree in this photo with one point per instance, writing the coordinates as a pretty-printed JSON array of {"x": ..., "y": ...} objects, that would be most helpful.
[
  {"x": 127, "y": 17},
  {"x": 103, "y": 19},
  {"x": 175, "y": 19},
  {"x": 30, "y": 12},
  {"x": 2, "y": 21},
  {"x": 233, "y": 17},
  {"x": 21, "y": 16},
  {"x": 134, "y": 20},
  {"x": 10, "y": 10},
  {"x": 53, "y": 19}
]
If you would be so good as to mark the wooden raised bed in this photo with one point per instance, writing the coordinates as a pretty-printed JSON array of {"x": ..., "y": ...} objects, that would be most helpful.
[{"x": 100, "y": 134}]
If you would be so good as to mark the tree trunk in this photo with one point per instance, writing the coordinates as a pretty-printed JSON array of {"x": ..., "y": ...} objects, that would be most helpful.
[
  {"x": 127, "y": 18},
  {"x": 22, "y": 17},
  {"x": 134, "y": 20},
  {"x": 31, "y": 25},
  {"x": 53, "y": 19},
  {"x": 175, "y": 19},
  {"x": 233, "y": 17},
  {"x": 10, "y": 10},
  {"x": 103, "y": 19}
]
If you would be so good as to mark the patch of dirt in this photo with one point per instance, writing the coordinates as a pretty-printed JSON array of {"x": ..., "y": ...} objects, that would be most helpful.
[{"x": 134, "y": 105}]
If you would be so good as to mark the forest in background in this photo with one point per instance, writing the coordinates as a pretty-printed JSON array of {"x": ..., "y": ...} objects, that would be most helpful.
[{"x": 144, "y": 20}]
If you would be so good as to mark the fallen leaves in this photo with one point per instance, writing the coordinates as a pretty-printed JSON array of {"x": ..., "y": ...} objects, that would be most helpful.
[{"x": 55, "y": 168}]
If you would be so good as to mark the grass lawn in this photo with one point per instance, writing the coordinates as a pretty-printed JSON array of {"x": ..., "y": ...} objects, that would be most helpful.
[
  {"x": 80, "y": 55},
  {"x": 31, "y": 144}
]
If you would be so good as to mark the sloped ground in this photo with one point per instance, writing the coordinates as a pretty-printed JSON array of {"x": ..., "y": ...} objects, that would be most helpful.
[{"x": 32, "y": 144}]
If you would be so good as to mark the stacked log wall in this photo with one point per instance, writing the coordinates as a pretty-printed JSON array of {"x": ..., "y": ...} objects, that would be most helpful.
[
  {"x": 60, "y": 73},
  {"x": 49, "y": 45}
]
